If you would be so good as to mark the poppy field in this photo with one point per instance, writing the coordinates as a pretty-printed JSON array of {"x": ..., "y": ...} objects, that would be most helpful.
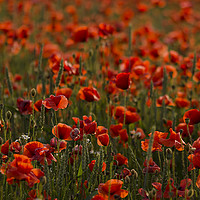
[{"x": 99, "y": 99}]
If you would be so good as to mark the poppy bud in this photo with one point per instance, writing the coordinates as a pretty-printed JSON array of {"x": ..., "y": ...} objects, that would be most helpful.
[
  {"x": 91, "y": 52},
  {"x": 33, "y": 92},
  {"x": 127, "y": 179},
  {"x": 169, "y": 154},
  {"x": 190, "y": 193},
  {"x": 152, "y": 193},
  {"x": 43, "y": 180},
  {"x": 134, "y": 173},
  {"x": 1, "y": 140},
  {"x": 8, "y": 115}
]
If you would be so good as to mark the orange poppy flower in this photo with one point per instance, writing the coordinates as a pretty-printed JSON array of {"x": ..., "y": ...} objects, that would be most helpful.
[
  {"x": 67, "y": 92},
  {"x": 62, "y": 131},
  {"x": 88, "y": 94},
  {"x": 193, "y": 115},
  {"x": 91, "y": 165},
  {"x": 156, "y": 142},
  {"x": 21, "y": 169},
  {"x": 55, "y": 102},
  {"x": 24, "y": 106},
  {"x": 37, "y": 151},
  {"x": 130, "y": 117},
  {"x": 123, "y": 81},
  {"x": 112, "y": 187},
  {"x": 182, "y": 103}
]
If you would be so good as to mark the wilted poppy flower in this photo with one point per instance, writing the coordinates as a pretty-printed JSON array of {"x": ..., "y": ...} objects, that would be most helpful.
[
  {"x": 138, "y": 133},
  {"x": 24, "y": 106},
  {"x": 62, "y": 131},
  {"x": 37, "y": 151},
  {"x": 152, "y": 167},
  {"x": 55, "y": 102},
  {"x": 54, "y": 144},
  {"x": 88, "y": 94},
  {"x": 193, "y": 115},
  {"x": 91, "y": 165},
  {"x": 121, "y": 159},
  {"x": 123, "y": 81},
  {"x": 21, "y": 169}
]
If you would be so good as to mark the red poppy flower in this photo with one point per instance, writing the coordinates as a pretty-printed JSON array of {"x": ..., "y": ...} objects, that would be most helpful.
[
  {"x": 112, "y": 187},
  {"x": 121, "y": 159},
  {"x": 98, "y": 197},
  {"x": 195, "y": 157},
  {"x": 37, "y": 151},
  {"x": 103, "y": 139},
  {"x": 170, "y": 190},
  {"x": 5, "y": 148},
  {"x": 91, "y": 165},
  {"x": 38, "y": 105},
  {"x": 183, "y": 127},
  {"x": 105, "y": 29},
  {"x": 21, "y": 169},
  {"x": 193, "y": 115},
  {"x": 55, "y": 102},
  {"x": 88, "y": 94},
  {"x": 123, "y": 81},
  {"x": 123, "y": 135},
  {"x": 130, "y": 117},
  {"x": 24, "y": 106},
  {"x": 174, "y": 140},
  {"x": 166, "y": 99},
  {"x": 62, "y": 131},
  {"x": 152, "y": 167},
  {"x": 114, "y": 130},
  {"x": 80, "y": 34},
  {"x": 87, "y": 126}
]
